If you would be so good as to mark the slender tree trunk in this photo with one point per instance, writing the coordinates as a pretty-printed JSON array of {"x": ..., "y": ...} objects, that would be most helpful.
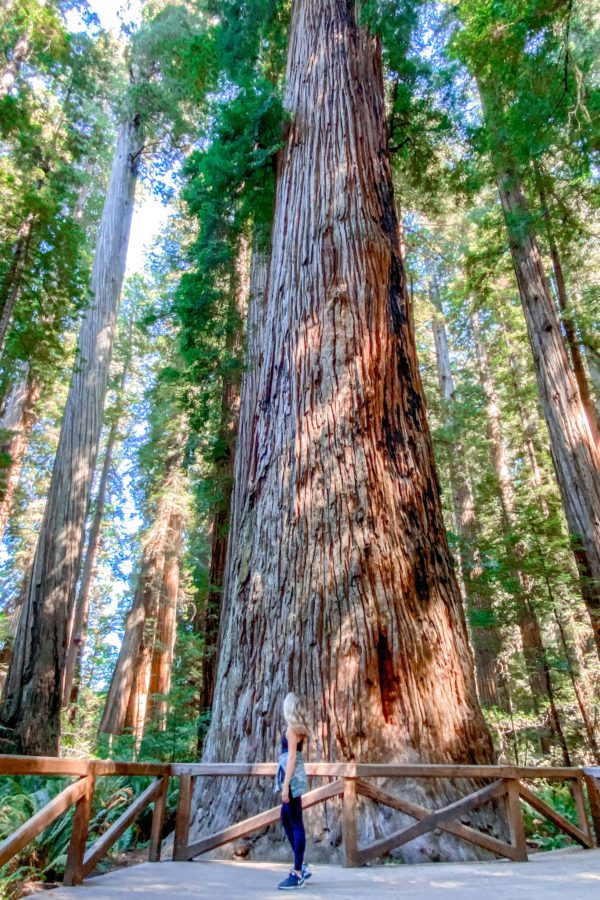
[
  {"x": 164, "y": 646},
  {"x": 127, "y": 698},
  {"x": 10, "y": 72},
  {"x": 341, "y": 584},
  {"x": 78, "y": 626},
  {"x": 32, "y": 698},
  {"x": 534, "y": 652},
  {"x": 17, "y": 423},
  {"x": 483, "y": 628},
  {"x": 575, "y": 454},
  {"x": 82, "y": 604},
  {"x": 567, "y": 315},
  {"x": 573, "y": 663}
]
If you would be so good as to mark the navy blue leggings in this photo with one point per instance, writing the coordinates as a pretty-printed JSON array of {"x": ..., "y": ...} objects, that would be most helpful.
[{"x": 291, "y": 819}]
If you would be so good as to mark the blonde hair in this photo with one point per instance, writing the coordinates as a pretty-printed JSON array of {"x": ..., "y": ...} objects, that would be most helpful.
[{"x": 295, "y": 713}]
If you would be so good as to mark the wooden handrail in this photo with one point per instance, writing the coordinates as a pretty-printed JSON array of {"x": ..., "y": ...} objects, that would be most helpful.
[
  {"x": 48, "y": 765},
  {"x": 377, "y": 770},
  {"x": 44, "y": 817},
  {"x": 351, "y": 780}
]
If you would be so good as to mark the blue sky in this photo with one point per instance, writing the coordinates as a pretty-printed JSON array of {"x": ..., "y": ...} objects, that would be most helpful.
[{"x": 150, "y": 215}]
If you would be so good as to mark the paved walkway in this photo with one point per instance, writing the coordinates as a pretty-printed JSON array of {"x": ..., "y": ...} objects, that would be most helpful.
[{"x": 565, "y": 874}]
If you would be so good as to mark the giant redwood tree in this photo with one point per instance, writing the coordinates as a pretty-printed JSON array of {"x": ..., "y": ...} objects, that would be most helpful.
[
  {"x": 32, "y": 697},
  {"x": 340, "y": 582}
]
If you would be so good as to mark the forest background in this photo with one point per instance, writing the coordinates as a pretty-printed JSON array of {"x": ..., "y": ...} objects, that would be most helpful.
[{"x": 200, "y": 86}]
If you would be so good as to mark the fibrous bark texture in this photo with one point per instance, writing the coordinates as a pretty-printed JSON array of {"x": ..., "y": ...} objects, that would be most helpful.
[
  {"x": 127, "y": 701},
  {"x": 166, "y": 631},
  {"x": 340, "y": 583},
  {"x": 574, "y": 451},
  {"x": 30, "y": 712},
  {"x": 567, "y": 315}
]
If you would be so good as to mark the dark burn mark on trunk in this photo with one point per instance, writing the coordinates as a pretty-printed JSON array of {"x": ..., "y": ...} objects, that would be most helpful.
[
  {"x": 420, "y": 572},
  {"x": 388, "y": 682},
  {"x": 397, "y": 302},
  {"x": 391, "y": 432}
]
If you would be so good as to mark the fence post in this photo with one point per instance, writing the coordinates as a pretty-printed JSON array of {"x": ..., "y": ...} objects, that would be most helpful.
[
  {"x": 158, "y": 821},
  {"x": 349, "y": 824},
  {"x": 515, "y": 819},
  {"x": 579, "y": 797},
  {"x": 592, "y": 781},
  {"x": 182, "y": 822},
  {"x": 81, "y": 826}
]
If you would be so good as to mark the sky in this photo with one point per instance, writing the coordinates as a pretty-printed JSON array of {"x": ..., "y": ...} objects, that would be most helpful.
[{"x": 150, "y": 215}]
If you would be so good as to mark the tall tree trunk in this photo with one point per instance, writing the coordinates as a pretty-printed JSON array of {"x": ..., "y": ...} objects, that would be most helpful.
[
  {"x": 575, "y": 454},
  {"x": 78, "y": 625},
  {"x": 17, "y": 423},
  {"x": 82, "y": 604},
  {"x": 223, "y": 478},
  {"x": 340, "y": 584},
  {"x": 567, "y": 314},
  {"x": 10, "y": 72},
  {"x": 573, "y": 660},
  {"x": 534, "y": 652},
  {"x": 32, "y": 698},
  {"x": 127, "y": 699},
  {"x": 483, "y": 628},
  {"x": 166, "y": 631}
]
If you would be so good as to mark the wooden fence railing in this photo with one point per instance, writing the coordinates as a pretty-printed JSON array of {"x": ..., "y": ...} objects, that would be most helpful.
[{"x": 346, "y": 780}]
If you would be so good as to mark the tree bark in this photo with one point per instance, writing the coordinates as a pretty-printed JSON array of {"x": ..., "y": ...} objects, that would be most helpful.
[
  {"x": 166, "y": 631},
  {"x": 82, "y": 604},
  {"x": 78, "y": 625},
  {"x": 574, "y": 452},
  {"x": 32, "y": 698},
  {"x": 127, "y": 700},
  {"x": 19, "y": 417},
  {"x": 574, "y": 662},
  {"x": 341, "y": 584},
  {"x": 567, "y": 315},
  {"x": 485, "y": 634}
]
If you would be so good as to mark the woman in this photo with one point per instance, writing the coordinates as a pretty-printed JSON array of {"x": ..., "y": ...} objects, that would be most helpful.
[{"x": 291, "y": 778}]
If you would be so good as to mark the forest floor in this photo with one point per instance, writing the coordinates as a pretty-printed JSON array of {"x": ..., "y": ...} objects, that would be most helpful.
[{"x": 565, "y": 874}]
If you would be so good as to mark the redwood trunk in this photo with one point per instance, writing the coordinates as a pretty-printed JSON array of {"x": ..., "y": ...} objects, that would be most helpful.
[
  {"x": 166, "y": 631},
  {"x": 32, "y": 698},
  {"x": 82, "y": 604},
  {"x": 567, "y": 316},
  {"x": 127, "y": 700},
  {"x": 485, "y": 634},
  {"x": 19, "y": 418},
  {"x": 575, "y": 455},
  {"x": 78, "y": 626},
  {"x": 340, "y": 583},
  {"x": 574, "y": 663}
]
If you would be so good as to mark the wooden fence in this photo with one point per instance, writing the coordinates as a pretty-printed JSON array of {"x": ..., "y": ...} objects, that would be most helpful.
[{"x": 345, "y": 780}]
